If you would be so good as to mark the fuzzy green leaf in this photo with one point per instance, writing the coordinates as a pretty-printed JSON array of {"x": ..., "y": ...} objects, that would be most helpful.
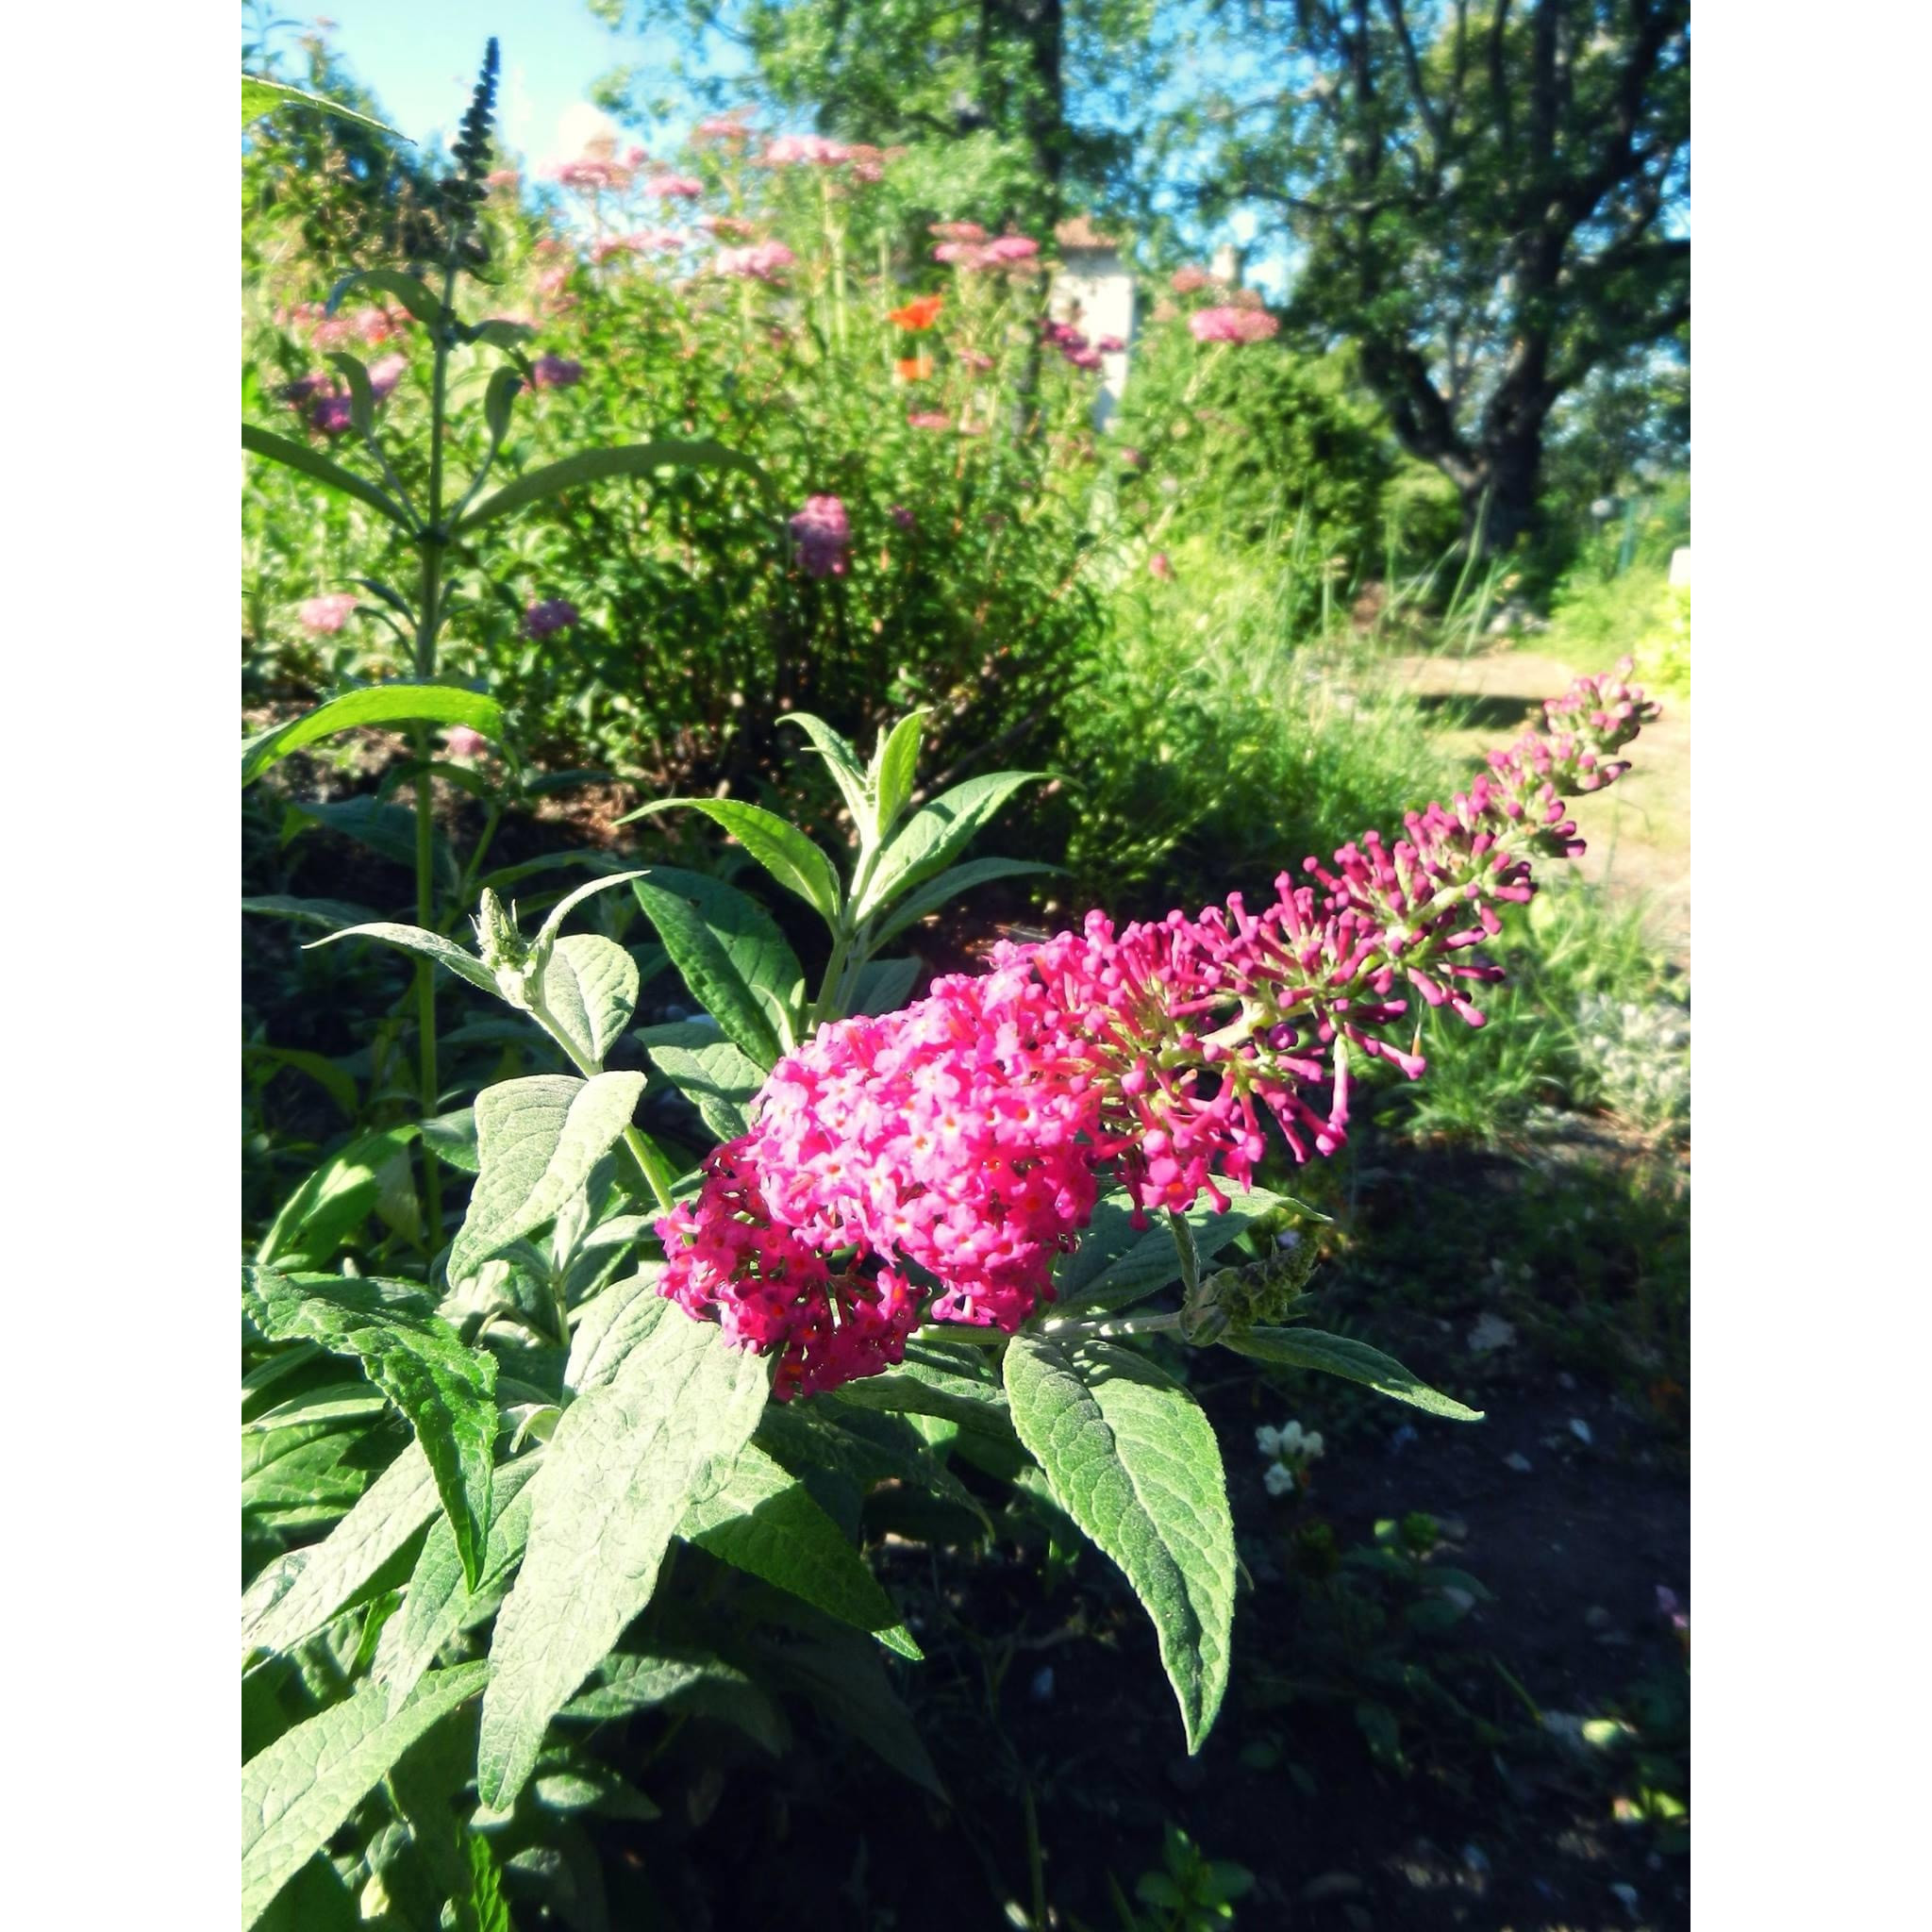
[
  {"x": 537, "y": 1139},
  {"x": 727, "y": 951},
  {"x": 1117, "y": 1263},
  {"x": 943, "y": 889},
  {"x": 334, "y": 1200},
  {"x": 936, "y": 833},
  {"x": 764, "y": 1520},
  {"x": 628, "y": 1459},
  {"x": 782, "y": 849},
  {"x": 611, "y": 1325},
  {"x": 381, "y": 704},
  {"x": 883, "y": 985},
  {"x": 447, "y": 1391},
  {"x": 329, "y": 1575},
  {"x": 259, "y": 97},
  {"x": 413, "y": 294},
  {"x": 1336, "y": 1354},
  {"x": 439, "y": 1601},
  {"x": 933, "y": 1381},
  {"x": 592, "y": 465},
  {"x": 838, "y": 752},
  {"x": 591, "y": 990},
  {"x": 412, "y": 939},
  {"x": 311, "y": 463},
  {"x": 1132, "y": 1459},
  {"x": 296, "y": 1795},
  {"x": 892, "y": 769},
  {"x": 718, "y": 1080}
]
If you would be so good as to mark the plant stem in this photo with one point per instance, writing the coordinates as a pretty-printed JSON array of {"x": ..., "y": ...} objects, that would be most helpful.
[{"x": 1071, "y": 1328}]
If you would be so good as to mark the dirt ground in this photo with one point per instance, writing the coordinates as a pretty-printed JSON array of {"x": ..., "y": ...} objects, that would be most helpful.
[{"x": 1639, "y": 830}]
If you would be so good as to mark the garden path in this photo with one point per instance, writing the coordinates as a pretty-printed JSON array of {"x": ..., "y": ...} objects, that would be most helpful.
[{"x": 1639, "y": 830}]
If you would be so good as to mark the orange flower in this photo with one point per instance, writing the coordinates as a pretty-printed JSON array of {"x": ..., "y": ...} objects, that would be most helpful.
[
  {"x": 919, "y": 315},
  {"x": 912, "y": 368}
]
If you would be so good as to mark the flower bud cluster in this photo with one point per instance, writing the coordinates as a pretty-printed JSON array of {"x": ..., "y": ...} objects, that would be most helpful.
[{"x": 953, "y": 1150}]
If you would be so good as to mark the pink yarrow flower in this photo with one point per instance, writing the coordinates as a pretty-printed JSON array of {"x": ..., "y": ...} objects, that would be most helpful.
[
  {"x": 1229, "y": 325},
  {"x": 805, "y": 150},
  {"x": 556, "y": 372},
  {"x": 328, "y": 612},
  {"x": 824, "y": 535},
  {"x": 762, "y": 261},
  {"x": 675, "y": 187},
  {"x": 460, "y": 741},
  {"x": 553, "y": 614},
  {"x": 966, "y": 1138}
]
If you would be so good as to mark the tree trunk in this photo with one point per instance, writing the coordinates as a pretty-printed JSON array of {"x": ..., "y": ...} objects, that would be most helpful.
[{"x": 1499, "y": 504}]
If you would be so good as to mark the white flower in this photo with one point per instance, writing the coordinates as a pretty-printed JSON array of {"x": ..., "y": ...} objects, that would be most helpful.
[
  {"x": 1268, "y": 1442},
  {"x": 1312, "y": 1445},
  {"x": 1279, "y": 1480},
  {"x": 1291, "y": 1439}
]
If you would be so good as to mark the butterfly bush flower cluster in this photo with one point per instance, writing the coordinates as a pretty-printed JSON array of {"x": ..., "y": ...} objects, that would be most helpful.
[
  {"x": 548, "y": 616},
  {"x": 962, "y": 1141}
]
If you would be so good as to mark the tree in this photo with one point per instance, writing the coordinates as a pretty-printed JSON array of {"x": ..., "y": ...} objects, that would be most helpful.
[
  {"x": 1490, "y": 201},
  {"x": 1056, "y": 85}
]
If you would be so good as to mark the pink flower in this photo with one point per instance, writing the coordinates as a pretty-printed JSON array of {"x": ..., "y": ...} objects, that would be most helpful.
[
  {"x": 958, "y": 231},
  {"x": 723, "y": 127},
  {"x": 1161, "y": 567},
  {"x": 556, "y": 372},
  {"x": 964, "y": 1140},
  {"x": 961, "y": 254},
  {"x": 728, "y": 227},
  {"x": 462, "y": 742},
  {"x": 929, "y": 419},
  {"x": 763, "y": 262},
  {"x": 824, "y": 535},
  {"x": 1184, "y": 281},
  {"x": 502, "y": 177},
  {"x": 590, "y": 175},
  {"x": 1230, "y": 325},
  {"x": 673, "y": 187},
  {"x": 972, "y": 358},
  {"x": 384, "y": 372},
  {"x": 1010, "y": 248},
  {"x": 902, "y": 516},
  {"x": 808, "y": 150},
  {"x": 1111, "y": 345},
  {"x": 328, "y": 612},
  {"x": 552, "y": 615},
  {"x": 331, "y": 414}
]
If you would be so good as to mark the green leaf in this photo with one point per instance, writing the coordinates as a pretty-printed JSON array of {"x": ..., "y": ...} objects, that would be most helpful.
[
  {"x": 591, "y": 990},
  {"x": 893, "y": 767},
  {"x": 447, "y": 1391},
  {"x": 939, "y": 830},
  {"x": 334, "y": 1200},
  {"x": 626, "y": 459},
  {"x": 782, "y": 849},
  {"x": 1133, "y": 1461},
  {"x": 297, "y": 1795},
  {"x": 884, "y": 986},
  {"x": 412, "y": 939},
  {"x": 628, "y": 1459},
  {"x": 933, "y": 1381},
  {"x": 627, "y": 1682},
  {"x": 537, "y": 1139},
  {"x": 452, "y": 1138},
  {"x": 764, "y": 1520},
  {"x": 413, "y": 294},
  {"x": 947, "y": 887},
  {"x": 361, "y": 396},
  {"x": 297, "y": 1479},
  {"x": 340, "y": 1086},
  {"x": 323, "y": 912},
  {"x": 497, "y": 332},
  {"x": 1336, "y": 1354},
  {"x": 388, "y": 829},
  {"x": 710, "y": 1072},
  {"x": 727, "y": 949},
  {"x": 1117, "y": 1263},
  {"x": 312, "y": 463},
  {"x": 259, "y": 97},
  {"x": 838, "y": 752},
  {"x": 319, "y": 1582},
  {"x": 439, "y": 1601},
  {"x": 611, "y": 1325},
  {"x": 847, "y": 1679},
  {"x": 382, "y": 704},
  {"x": 576, "y": 897}
]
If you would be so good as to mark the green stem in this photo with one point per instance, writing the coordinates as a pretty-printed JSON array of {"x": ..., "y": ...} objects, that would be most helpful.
[
  {"x": 643, "y": 1150},
  {"x": 1071, "y": 1328}
]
